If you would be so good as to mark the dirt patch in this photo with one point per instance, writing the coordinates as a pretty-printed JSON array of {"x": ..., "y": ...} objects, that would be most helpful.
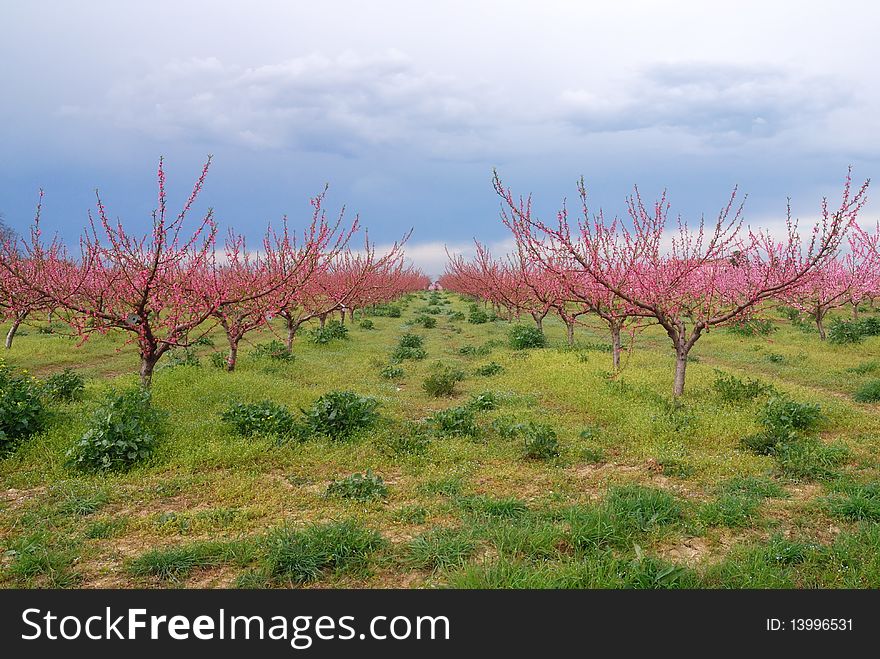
[
  {"x": 15, "y": 498},
  {"x": 691, "y": 551}
]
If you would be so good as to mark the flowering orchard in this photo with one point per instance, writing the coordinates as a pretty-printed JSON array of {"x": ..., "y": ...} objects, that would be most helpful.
[
  {"x": 646, "y": 268},
  {"x": 168, "y": 288}
]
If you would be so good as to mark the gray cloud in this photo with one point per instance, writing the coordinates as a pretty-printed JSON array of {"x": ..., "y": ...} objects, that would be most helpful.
[
  {"x": 340, "y": 104},
  {"x": 713, "y": 100}
]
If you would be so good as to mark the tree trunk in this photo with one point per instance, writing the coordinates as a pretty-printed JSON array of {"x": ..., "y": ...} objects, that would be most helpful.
[
  {"x": 148, "y": 363},
  {"x": 291, "y": 331},
  {"x": 233, "y": 355},
  {"x": 615, "y": 346},
  {"x": 539, "y": 321},
  {"x": 342, "y": 316},
  {"x": 855, "y": 310},
  {"x": 351, "y": 315},
  {"x": 681, "y": 355},
  {"x": 323, "y": 320},
  {"x": 569, "y": 326},
  {"x": 16, "y": 323},
  {"x": 820, "y": 324}
]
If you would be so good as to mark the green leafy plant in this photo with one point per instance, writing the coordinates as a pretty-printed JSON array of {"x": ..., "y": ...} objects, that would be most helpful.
[
  {"x": 487, "y": 400},
  {"x": 391, "y": 372},
  {"x": 262, "y": 418},
  {"x": 477, "y": 316},
  {"x": 732, "y": 389},
  {"x": 868, "y": 392},
  {"x": 428, "y": 322},
  {"x": 22, "y": 413},
  {"x": 331, "y": 331},
  {"x": 784, "y": 414},
  {"x": 752, "y": 327},
  {"x": 385, "y": 310},
  {"x": 123, "y": 431},
  {"x": 274, "y": 350},
  {"x": 490, "y": 369},
  {"x": 65, "y": 386},
  {"x": 218, "y": 359},
  {"x": 522, "y": 337},
  {"x": 360, "y": 487},
  {"x": 367, "y": 324},
  {"x": 443, "y": 380},
  {"x": 181, "y": 357},
  {"x": 340, "y": 414},
  {"x": 410, "y": 346},
  {"x": 539, "y": 441},
  {"x": 843, "y": 332},
  {"x": 457, "y": 421}
]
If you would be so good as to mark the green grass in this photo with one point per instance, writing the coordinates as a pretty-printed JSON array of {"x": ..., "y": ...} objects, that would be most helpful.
[{"x": 637, "y": 476}]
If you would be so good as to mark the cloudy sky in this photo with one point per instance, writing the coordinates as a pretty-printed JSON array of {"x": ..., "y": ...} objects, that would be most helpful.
[{"x": 405, "y": 108}]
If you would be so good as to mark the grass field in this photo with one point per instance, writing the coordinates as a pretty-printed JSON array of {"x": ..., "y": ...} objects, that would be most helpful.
[{"x": 644, "y": 492}]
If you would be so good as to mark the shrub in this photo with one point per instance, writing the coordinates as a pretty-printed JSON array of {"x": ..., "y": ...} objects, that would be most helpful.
[
  {"x": 784, "y": 420},
  {"x": 123, "y": 431},
  {"x": 273, "y": 349},
  {"x": 508, "y": 427},
  {"x": 304, "y": 555},
  {"x": 731, "y": 389},
  {"x": 458, "y": 421},
  {"x": 426, "y": 321},
  {"x": 22, "y": 412},
  {"x": 752, "y": 327},
  {"x": 400, "y": 353},
  {"x": 367, "y": 324},
  {"x": 386, "y": 310},
  {"x": 331, "y": 331},
  {"x": 868, "y": 393},
  {"x": 360, "y": 487},
  {"x": 539, "y": 442},
  {"x": 843, "y": 332},
  {"x": 411, "y": 341},
  {"x": 522, "y": 337},
  {"x": 490, "y": 369},
  {"x": 784, "y": 414},
  {"x": 410, "y": 440},
  {"x": 182, "y": 357},
  {"x": 340, "y": 414},
  {"x": 65, "y": 386},
  {"x": 443, "y": 380},
  {"x": 455, "y": 315},
  {"x": 488, "y": 400},
  {"x": 410, "y": 346},
  {"x": 263, "y": 418},
  {"x": 391, "y": 372},
  {"x": 477, "y": 316},
  {"x": 218, "y": 359}
]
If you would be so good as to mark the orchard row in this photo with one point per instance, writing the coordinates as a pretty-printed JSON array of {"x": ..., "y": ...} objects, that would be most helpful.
[{"x": 688, "y": 279}]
